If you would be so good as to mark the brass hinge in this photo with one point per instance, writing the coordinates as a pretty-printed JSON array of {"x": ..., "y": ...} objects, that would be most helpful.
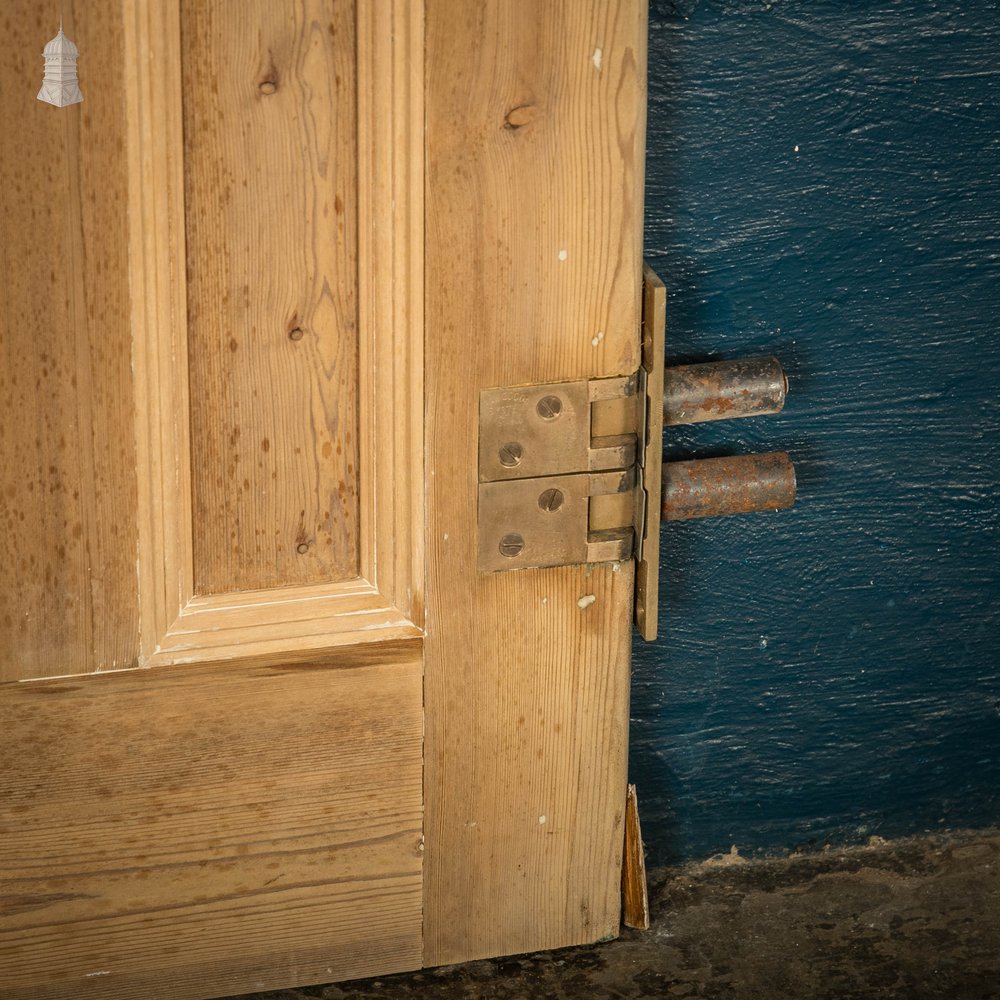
[{"x": 569, "y": 472}]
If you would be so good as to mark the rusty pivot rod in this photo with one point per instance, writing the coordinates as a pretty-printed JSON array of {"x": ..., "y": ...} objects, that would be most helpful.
[
  {"x": 722, "y": 390},
  {"x": 742, "y": 484}
]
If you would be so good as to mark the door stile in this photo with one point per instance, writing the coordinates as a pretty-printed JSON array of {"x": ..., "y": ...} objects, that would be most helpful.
[{"x": 535, "y": 138}]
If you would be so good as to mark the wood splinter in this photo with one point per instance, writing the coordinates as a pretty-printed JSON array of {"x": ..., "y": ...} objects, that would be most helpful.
[{"x": 635, "y": 893}]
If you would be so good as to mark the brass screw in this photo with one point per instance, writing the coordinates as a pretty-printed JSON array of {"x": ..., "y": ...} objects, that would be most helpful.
[
  {"x": 296, "y": 334},
  {"x": 549, "y": 407},
  {"x": 510, "y": 454},
  {"x": 551, "y": 500},
  {"x": 511, "y": 545}
]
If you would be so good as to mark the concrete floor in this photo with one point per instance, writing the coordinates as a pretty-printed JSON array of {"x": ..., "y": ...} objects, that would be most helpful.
[{"x": 908, "y": 919}]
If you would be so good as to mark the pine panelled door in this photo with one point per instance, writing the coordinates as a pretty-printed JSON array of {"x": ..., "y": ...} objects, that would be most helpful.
[{"x": 263, "y": 720}]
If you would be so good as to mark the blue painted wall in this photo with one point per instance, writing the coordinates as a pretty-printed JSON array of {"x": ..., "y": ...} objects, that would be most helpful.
[{"x": 823, "y": 185}]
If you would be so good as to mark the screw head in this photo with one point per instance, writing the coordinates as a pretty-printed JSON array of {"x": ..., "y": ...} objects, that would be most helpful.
[
  {"x": 549, "y": 407},
  {"x": 296, "y": 333},
  {"x": 551, "y": 500},
  {"x": 302, "y": 548},
  {"x": 511, "y": 454},
  {"x": 511, "y": 545}
]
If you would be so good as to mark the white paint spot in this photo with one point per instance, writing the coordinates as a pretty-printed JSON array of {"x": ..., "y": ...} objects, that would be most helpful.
[
  {"x": 586, "y": 601},
  {"x": 90, "y": 974},
  {"x": 545, "y": 600},
  {"x": 541, "y": 820},
  {"x": 597, "y": 58},
  {"x": 446, "y": 536},
  {"x": 796, "y": 149},
  {"x": 763, "y": 642},
  {"x": 402, "y": 621},
  {"x": 563, "y": 254},
  {"x": 596, "y": 340},
  {"x": 616, "y": 567}
]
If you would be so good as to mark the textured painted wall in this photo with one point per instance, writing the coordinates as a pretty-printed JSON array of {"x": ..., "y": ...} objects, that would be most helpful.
[{"x": 823, "y": 185}]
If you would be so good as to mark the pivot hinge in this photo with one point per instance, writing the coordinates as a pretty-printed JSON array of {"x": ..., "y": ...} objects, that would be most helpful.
[{"x": 572, "y": 472}]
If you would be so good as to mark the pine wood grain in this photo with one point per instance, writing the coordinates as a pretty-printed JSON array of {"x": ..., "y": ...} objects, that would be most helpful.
[
  {"x": 535, "y": 119},
  {"x": 158, "y": 286},
  {"x": 205, "y": 831},
  {"x": 384, "y": 598},
  {"x": 271, "y": 207},
  {"x": 67, "y": 455},
  {"x": 391, "y": 298}
]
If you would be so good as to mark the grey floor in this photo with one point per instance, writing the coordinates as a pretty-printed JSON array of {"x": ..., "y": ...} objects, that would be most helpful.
[{"x": 908, "y": 919}]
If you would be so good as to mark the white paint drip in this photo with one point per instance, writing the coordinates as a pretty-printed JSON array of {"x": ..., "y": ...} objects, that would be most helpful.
[
  {"x": 541, "y": 820},
  {"x": 563, "y": 254},
  {"x": 91, "y": 974},
  {"x": 586, "y": 601},
  {"x": 596, "y": 340},
  {"x": 597, "y": 58}
]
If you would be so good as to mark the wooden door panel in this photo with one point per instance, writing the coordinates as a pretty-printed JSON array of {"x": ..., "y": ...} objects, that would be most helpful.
[
  {"x": 279, "y": 476},
  {"x": 125, "y": 440},
  {"x": 203, "y": 831},
  {"x": 535, "y": 138},
  {"x": 270, "y": 199}
]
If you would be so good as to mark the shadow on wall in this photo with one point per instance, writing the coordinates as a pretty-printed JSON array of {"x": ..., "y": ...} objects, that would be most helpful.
[{"x": 822, "y": 185}]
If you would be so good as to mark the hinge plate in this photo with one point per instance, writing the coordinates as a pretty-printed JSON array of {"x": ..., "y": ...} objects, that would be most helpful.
[
  {"x": 546, "y": 521},
  {"x": 529, "y": 431},
  {"x": 539, "y": 467}
]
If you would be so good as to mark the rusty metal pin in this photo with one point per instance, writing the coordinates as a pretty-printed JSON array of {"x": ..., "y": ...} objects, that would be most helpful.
[
  {"x": 739, "y": 485},
  {"x": 722, "y": 390}
]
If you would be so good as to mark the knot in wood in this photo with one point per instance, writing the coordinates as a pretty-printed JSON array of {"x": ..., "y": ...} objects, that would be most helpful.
[{"x": 518, "y": 117}]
